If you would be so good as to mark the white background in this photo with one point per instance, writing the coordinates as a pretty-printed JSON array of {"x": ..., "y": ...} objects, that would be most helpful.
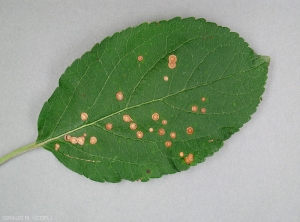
[{"x": 254, "y": 177}]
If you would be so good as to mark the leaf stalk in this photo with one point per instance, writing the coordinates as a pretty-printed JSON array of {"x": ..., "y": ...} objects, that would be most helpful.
[{"x": 19, "y": 151}]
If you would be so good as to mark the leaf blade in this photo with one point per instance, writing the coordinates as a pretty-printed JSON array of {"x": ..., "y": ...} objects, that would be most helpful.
[{"x": 216, "y": 73}]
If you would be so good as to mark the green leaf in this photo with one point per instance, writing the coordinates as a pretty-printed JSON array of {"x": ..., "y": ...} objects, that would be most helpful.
[{"x": 191, "y": 104}]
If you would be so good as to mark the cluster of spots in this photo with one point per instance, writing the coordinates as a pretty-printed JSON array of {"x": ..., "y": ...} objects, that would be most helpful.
[
  {"x": 161, "y": 131},
  {"x": 84, "y": 116},
  {"x": 195, "y": 108},
  {"x": 188, "y": 159},
  {"x": 79, "y": 140},
  {"x": 172, "y": 61},
  {"x": 132, "y": 125}
]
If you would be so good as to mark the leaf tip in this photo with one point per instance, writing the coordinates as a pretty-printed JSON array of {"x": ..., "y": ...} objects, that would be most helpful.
[{"x": 267, "y": 59}]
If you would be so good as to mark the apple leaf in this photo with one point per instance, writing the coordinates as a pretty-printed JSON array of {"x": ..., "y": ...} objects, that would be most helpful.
[{"x": 152, "y": 100}]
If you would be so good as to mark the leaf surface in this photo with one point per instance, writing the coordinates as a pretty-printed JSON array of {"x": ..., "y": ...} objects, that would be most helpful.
[{"x": 152, "y": 100}]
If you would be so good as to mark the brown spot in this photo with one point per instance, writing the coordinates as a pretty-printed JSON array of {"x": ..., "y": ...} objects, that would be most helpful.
[
  {"x": 80, "y": 140},
  {"x": 73, "y": 140},
  {"x": 127, "y": 118},
  {"x": 173, "y": 135},
  {"x": 56, "y": 147},
  {"x": 108, "y": 126},
  {"x": 161, "y": 132},
  {"x": 166, "y": 78},
  {"x": 181, "y": 154},
  {"x": 155, "y": 116},
  {"x": 172, "y": 65},
  {"x": 133, "y": 126},
  {"x": 189, "y": 130},
  {"x": 194, "y": 108},
  {"x": 168, "y": 144},
  {"x": 84, "y": 116},
  {"x": 119, "y": 96},
  {"x": 93, "y": 140},
  {"x": 139, "y": 134},
  {"x": 67, "y": 137},
  {"x": 151, "y": 130},
  {"x": 84, "y": 134},
  {"x": 189, "y": 159},
  {"x": 164, "y": 122},
  {"x": 203, "y": 99},
  {"x": 140, "y": 58},
  {"x": 148, "y": 171},
  {"x": 203, "y": 110},
  {"x": 172, "y": 58}
]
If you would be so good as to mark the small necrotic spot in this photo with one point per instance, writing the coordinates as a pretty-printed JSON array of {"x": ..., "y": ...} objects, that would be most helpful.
[
  {"x": 80, "y": 140},
  {"x": 84, "y": 134},
  {"x": 203, "y": 99},
  {"x": 84, "y": 116},
  {"x": 203, "y": 110},
  {"x": 172, "y": 58},
  {"x": 189, "y": 130},
  {"x": 168, "y": 144},
  {"x": 140, "y": 58},
  {"x": 119, "y": 96},
  {"x": 164, "y": 122},
  {"x": 172, "y": 65},
  {"x": 133, "y": 126},
  {"x": 108, "y": 126},
  {"x": 161, "y": 132},
  {"x": 210, "y": 141},
  {"x": 181, "y": 154},
  {"x": 173, "y": 135},
  {"x": 73, "y": 140},
  {"x": 148, "y": 171},
  {"x": 151, "y": 130},
  {"x": 194, "y": 108},
  {"x": 155, "y": 116},
  {"x": 67, "y": 137},
  {"x": 56, "y": 146},
  {"x": 166, "y": 78},
  {"x": 93, "y": 140},
  {"x": 139, "y": 134},
  {"x": 127, "y": 118}
]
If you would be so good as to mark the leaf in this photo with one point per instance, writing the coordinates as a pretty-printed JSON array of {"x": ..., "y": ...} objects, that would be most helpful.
[{"x": 152, "y": 100}]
